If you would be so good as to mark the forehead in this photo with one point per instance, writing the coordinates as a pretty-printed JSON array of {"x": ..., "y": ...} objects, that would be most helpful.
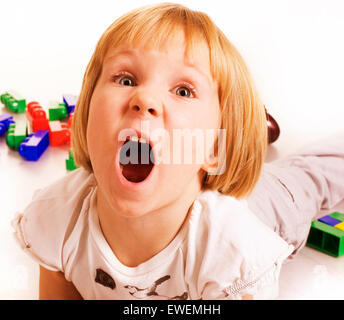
[{"x": 176, "y": 49}]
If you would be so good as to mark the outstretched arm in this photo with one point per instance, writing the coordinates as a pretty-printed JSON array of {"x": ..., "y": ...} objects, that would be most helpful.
[{"x": 54, "y": 286}]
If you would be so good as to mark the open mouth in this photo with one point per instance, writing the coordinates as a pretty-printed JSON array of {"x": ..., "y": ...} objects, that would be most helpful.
[{"x": 136, "y": 159}]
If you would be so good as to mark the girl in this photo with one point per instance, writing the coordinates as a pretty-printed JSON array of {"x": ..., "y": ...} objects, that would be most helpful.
[{"x": 124, "y": 229}]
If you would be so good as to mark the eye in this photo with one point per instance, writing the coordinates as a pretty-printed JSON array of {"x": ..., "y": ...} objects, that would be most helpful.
[
  {"x": 124, "y": 79},
  {"x": 186, "y": 91}
]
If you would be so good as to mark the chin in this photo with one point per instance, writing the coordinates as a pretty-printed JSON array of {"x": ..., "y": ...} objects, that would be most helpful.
[{"x": 130, "y": 208}]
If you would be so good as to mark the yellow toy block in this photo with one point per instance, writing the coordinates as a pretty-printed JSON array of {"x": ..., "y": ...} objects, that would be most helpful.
[{"x": 340, "y": 226}]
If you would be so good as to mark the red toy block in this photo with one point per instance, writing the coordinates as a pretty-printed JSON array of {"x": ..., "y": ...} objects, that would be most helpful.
[
  {"x": 70, "y": 120},
  {"x": 36, "y": 117},
  {"x": 59, "y": 133}
]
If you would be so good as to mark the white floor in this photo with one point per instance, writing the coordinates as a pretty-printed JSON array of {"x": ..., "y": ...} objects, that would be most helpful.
[{"x": 311, "y": 275}]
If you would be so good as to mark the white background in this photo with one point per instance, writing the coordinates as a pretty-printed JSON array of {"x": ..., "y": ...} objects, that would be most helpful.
[{"x": 294, "y": 49}]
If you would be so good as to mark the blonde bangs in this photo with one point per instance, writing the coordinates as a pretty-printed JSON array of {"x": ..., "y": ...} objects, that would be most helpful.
[{"x": 153, "y": 28}]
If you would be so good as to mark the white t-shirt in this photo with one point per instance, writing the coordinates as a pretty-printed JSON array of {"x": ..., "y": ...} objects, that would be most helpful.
[{"x": 222, "y": 251}]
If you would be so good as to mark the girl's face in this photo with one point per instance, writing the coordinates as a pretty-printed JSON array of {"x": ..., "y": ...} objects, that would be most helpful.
[{"x": 149, "y": 92}]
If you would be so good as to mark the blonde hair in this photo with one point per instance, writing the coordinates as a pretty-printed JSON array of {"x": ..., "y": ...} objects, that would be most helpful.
[{"x": 242, "y": 113}]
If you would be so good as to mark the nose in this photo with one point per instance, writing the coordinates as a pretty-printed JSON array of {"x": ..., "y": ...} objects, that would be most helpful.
[{"x": 145, "y": 103}]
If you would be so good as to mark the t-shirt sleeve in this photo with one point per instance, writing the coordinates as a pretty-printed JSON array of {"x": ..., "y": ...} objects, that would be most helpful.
[
  {"x": 263, "y": 286},
  {"x": 46, "y": 224},
  {"x": 36, "y": 235}
]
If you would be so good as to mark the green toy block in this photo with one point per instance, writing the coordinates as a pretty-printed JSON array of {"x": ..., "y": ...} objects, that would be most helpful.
[
  {"x": 16, "y": 134},
  {"x": 337, "y": 215},
  {"x": 57, "y": 111},
  {"x": 13, "y": 101},
  {"x": 326, "y": 238},
  {"x": 70, "y": 164}
]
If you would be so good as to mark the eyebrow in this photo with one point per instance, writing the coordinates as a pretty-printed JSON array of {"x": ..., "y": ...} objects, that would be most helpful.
[
  {"x": 126, "y": 52},
  {"x": 199, "y": 71},
  {"x": 119, "y": 55},
  {"x": 130, "y": 53}
]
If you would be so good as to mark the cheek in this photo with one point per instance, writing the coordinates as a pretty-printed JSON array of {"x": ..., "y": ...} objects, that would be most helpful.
[
  {"x": 211, "y": 115},
  {"x": 105, "y": 110},
  {"x": 203, "y": 122},
  {"x": 105, "y": 106},
  {"x": 94, "y": 134},
  {"x": 102, "y": 120},
  {"x": 203, "y": 115}
]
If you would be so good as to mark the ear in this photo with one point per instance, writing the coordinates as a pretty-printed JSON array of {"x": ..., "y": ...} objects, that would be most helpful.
[
  {"x": 210, "y": 165},
  {"x": 213, "y": 163}
]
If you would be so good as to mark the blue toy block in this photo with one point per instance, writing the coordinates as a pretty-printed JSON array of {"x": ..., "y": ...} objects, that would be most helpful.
[
  {"x": 2, "y": 129},
  {"x": 70, "y": 101},
  {"x": 329, "y": 220},
  {"x": 34, "y": 145},
  {"x": 5, "y": 121}
]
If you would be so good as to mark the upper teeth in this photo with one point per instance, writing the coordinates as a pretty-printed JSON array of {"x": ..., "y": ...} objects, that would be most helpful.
[{"x": 136, "y": 139}]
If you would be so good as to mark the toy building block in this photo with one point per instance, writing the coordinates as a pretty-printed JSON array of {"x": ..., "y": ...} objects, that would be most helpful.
[
  {"x": 329, "y": 220},
  {"x": 57, "y": 111},
  {"x": 13, "y": 101},
  {"x": 335, "y": 219},
  {"x": 59, "y": 133},
  {"x": 34, "y": 145},
  {"x": 340, "y": 226},
  {"x": 5, "y": 121},
  {"x": 16, "y": 134},
  {"x": 326, "y": 238},
  {"x": 70, "y": 120},
  {"x": 337, "y": 215},
  {"x": 70, "y": 101},
  {"x": 36, "y": 117},
  {"x": 70, "y": 164}
]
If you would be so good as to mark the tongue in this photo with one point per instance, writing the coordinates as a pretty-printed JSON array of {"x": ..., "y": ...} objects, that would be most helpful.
[{"x": 136, "y": 172}]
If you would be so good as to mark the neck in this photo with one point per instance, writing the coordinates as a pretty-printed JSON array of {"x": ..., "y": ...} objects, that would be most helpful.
[{"x": 135, "y": 240}]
